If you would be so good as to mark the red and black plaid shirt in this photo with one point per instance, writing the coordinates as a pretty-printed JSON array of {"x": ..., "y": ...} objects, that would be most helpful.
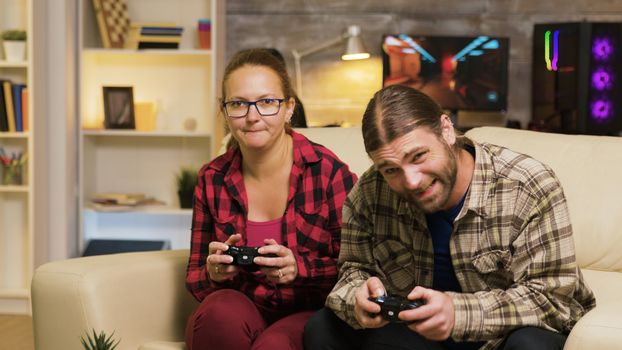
[{"x": 311, "y": 226}]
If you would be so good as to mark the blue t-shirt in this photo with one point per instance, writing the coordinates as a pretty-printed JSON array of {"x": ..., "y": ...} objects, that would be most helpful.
[{"x": 441, "y": 225}]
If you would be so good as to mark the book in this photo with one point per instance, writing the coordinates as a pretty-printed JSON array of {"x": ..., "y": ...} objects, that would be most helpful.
[
  {"x": 113, "y": 201},
  {"x": 25, "y": 108},
  {"x": 4, "y": 123},
  {"x": 153, "y": 33},
  {"x": 158, "y": 45},
  {"x": 167, "y": 31},
  {"x": 113, "y": 198},
  {"x": 8, "y": 102},
  {"x": 159, "y": 39},
  {"x": 17, "y": 106},
  {"x": 154, "y": 25}
]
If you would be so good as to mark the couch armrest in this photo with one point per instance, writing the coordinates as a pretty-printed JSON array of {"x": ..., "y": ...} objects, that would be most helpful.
[{"x": 139, "y": 296}]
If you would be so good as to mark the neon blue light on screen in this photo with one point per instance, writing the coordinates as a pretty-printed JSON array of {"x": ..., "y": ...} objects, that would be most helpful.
[
  {"x": 471, "y": 46},
  {"x": 414, "y": 45}
]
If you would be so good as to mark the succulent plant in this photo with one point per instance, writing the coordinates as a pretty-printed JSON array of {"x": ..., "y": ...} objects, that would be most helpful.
[
  {"x": 14, "y": 35},
  {"x": 187, "y": 179},
  {"x": 99, "y": 341}
]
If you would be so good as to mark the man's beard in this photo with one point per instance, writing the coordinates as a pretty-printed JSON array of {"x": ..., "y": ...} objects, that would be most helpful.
[{"x": 446, "y": 179}]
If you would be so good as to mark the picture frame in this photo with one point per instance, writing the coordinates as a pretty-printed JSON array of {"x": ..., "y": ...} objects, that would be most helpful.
[{"x": 119, "y": 107}]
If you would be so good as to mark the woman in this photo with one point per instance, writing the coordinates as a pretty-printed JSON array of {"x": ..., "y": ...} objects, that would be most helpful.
[{"x": 275, "y": 190}]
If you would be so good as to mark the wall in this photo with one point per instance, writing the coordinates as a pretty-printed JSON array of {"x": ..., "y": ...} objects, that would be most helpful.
[
  {"x": 59, "y": 48},
  {"x": 336, "y": 91}
]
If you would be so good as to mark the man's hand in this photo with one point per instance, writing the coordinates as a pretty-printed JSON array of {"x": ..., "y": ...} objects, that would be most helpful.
[
  {"x": 364, "y": 309},
  {"x": 219, "y": 265},
  {"x": 435, "y": 319}
]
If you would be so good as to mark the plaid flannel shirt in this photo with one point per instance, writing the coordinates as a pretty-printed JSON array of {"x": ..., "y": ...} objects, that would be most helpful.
[
  {"x": 511, "y": 248},
  {"x": 319, "y": 183}
]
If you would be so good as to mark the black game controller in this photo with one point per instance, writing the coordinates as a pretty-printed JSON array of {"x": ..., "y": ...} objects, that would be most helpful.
[
  {"x": 391, "y": 305},
  {"x": 243, "y": 256}
]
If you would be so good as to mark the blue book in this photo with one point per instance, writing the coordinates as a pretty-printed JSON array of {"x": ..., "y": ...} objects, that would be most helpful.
[
  {"x": 17, "y": 106},
  {"x": 161, "y": 30}
]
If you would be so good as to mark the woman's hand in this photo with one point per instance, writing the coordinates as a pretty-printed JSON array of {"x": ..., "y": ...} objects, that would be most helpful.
[
  {"x": 280, "y": 269},
  {"x": 218, "y": 265}
]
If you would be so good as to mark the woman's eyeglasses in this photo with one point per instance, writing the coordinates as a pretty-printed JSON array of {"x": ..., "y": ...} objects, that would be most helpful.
[{"x": 265, "y": 106}]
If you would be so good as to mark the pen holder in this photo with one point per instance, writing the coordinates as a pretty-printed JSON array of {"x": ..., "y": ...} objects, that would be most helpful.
[{"x": 13, "y": 174}]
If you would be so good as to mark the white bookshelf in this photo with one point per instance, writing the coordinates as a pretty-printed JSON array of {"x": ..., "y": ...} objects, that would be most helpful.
[
  {"x": 18, "y": 201},
  {"x": 182, "y": 84}
]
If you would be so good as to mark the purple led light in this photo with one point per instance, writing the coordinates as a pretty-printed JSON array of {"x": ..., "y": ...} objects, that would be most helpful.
[
  {"x": 601, "y": 110},
  {"x": 602, "y": 79},
  {"x": 555, "y": 50},
  {"x": 602, "y": 48}
]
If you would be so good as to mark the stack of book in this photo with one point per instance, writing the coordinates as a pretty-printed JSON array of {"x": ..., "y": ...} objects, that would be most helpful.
[
  {"x": 13, "y": 106},
  {"x": 154, "y": 36},
  {"x": 113, "y": 201}
]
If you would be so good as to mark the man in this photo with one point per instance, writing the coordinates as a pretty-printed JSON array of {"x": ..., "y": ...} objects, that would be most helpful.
[{"x": 478, "y": 233}]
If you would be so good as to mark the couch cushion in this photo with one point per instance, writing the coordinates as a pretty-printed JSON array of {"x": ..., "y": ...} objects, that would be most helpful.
[
  {"x": 346, "y": 143},
  {"x": 606, "y": 286},
  {"x": 589, "y": 169},
  {"x": 600, "y": 328},
  {"x": 140, "y": 296},
  {"x": 163, "y": 345}
]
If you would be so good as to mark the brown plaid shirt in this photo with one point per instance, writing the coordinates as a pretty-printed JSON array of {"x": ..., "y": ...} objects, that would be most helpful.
[{"x": 511, "y": 248}]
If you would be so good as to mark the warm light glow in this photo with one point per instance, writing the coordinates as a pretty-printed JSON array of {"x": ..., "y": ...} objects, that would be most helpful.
[
  {"x": 355, "y": 56},
  {"x": 93, "y": 122}
]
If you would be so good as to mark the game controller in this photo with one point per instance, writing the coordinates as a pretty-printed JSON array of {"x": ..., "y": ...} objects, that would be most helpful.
[
  {"x": 243, "y": 256},
  {"x": 391, "y": 305}
]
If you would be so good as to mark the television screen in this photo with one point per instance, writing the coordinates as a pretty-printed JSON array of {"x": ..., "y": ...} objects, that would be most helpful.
[{"x": 459, "y": 73}]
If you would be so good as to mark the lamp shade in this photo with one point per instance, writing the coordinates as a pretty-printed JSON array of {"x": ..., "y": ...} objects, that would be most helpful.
[{"x": 355, "y": 49}]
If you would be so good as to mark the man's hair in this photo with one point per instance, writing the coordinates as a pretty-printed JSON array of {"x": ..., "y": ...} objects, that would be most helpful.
[
  {"x": 396, "y": 110},
  {"x": 259, "y": 57}
]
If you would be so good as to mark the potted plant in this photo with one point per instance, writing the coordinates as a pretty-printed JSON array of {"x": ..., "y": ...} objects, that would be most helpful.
[
  {"x": 187, "y": 179},
  {"x": 99, "y": 341},
  {"x": 14, "y": 42}
]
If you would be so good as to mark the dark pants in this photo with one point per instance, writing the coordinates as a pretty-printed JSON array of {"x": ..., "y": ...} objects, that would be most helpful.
[
  {"x": 325, "y": 331},
  {"x": 228, "y": 319}
]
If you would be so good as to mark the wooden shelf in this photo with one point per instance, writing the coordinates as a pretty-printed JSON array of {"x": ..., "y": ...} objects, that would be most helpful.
[
  {"x": 146, "y": 209},
  {"x": 193, "y": 52},
  {"x": 15, "y": 135},
  {"x": 5, "y": 64},
  {"x": 14, "y": 189},
  {"x": 22, "y": 293},
  {"x": 134, "y": 133}
]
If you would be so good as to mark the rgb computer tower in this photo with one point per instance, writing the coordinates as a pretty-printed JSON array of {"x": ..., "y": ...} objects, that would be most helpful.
[{"x": 577, "y": 78}]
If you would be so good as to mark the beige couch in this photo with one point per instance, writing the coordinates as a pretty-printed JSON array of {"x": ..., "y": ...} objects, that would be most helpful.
[{"x": 142, "y": 298}]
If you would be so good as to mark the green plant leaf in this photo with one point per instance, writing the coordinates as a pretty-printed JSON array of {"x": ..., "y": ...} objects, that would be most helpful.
[
  {"x": 14, "y": 34},
  {"x": 187, "y": 179},
  {"x": 99, "y": 341}
]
